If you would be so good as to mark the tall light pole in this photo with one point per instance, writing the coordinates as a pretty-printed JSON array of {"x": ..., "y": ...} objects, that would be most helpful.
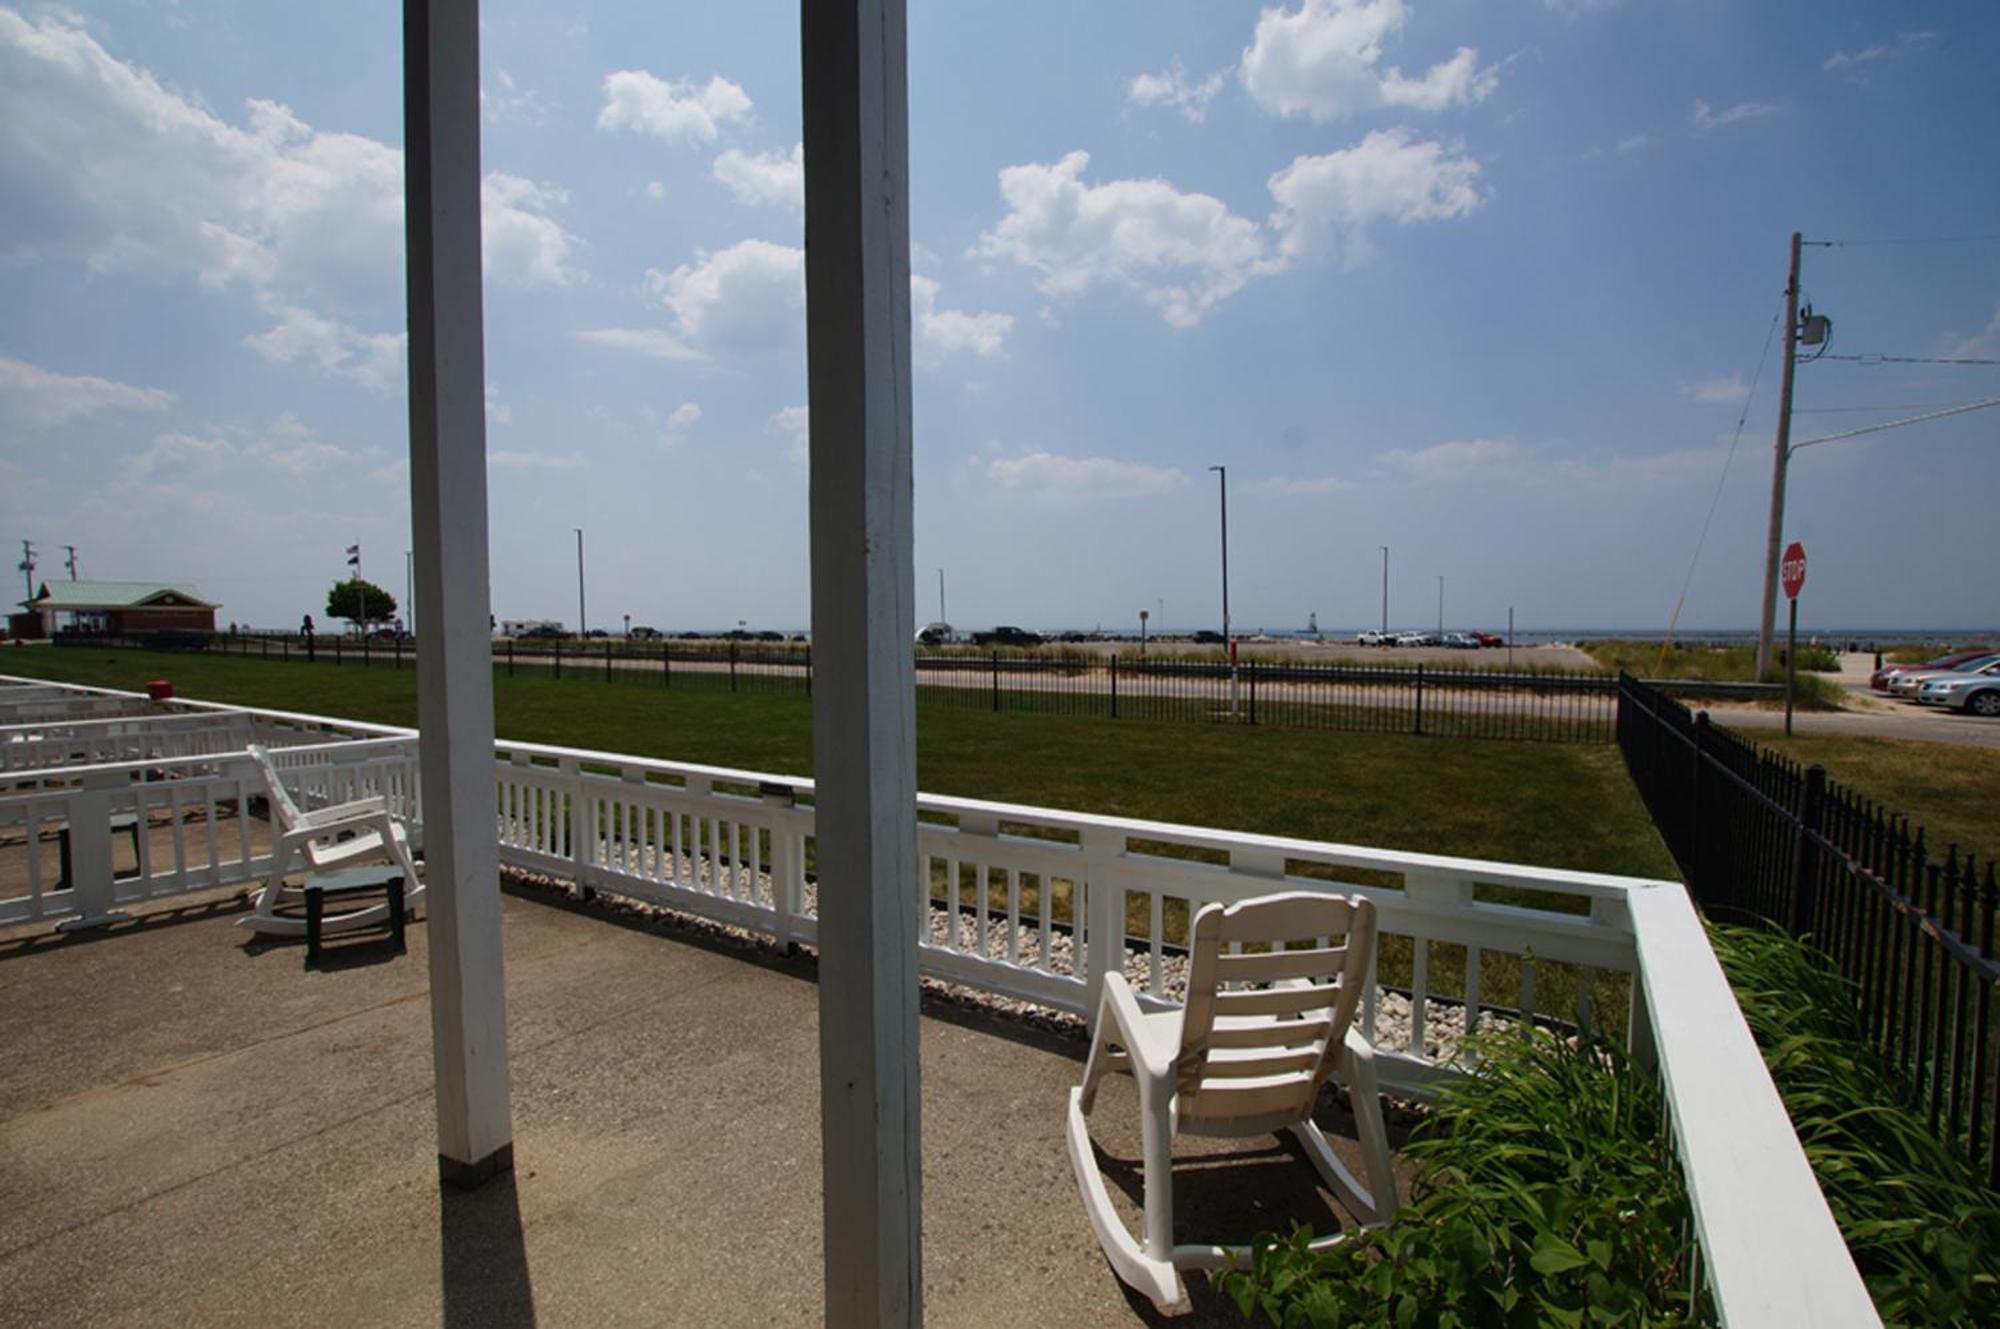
[
  {"x": 28, "y": 566},
  {"x": 1385, "y": 590},
  {"x": 1781, "y": 458},
  {"x": 942, "y": 616},
  {"x": 582, "y": 624},
  {"x": 71, "y": 560},
  {"x": 410, "y": 591},
  {"x": 1440, "y": 608},
  {"x": 1228, "y": 642}
]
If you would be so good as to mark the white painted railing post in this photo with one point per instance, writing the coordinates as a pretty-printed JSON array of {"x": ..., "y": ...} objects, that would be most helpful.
[
  {"x": 857, "y": 165},
  {"x": 448, "y": 514},
  {"x": 787, "y": 864},
  {"x": 91, "y": 875},
  {"x": 1100, "y": 922},
  {"x": 582, "y": 849}
]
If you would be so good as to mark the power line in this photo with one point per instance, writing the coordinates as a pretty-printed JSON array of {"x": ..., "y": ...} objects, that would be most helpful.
[
  {"x": 1895, "y": 424},
  {"x": 1749, "y": 395},
  {"x": 1907, "y": 360},
  {"x": 1885, "y": 406},
  {"x": 1982, "y": 238}
]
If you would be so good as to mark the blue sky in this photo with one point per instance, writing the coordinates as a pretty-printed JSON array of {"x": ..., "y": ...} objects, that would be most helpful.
[{"x": 1482, "y": 280}]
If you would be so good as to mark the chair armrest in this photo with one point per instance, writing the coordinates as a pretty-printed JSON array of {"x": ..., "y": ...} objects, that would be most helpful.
[
  {"x": 1151, "y": 1052},
  {"x": 359, "y": 809}
]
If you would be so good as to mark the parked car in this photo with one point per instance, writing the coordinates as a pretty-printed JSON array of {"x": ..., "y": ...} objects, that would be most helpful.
[
  {"x": 1460, "y": 641},
  {"x": 1881, "y": 678},
  {"x": 545, "y": 631},
  {"x": 646, "y": 634},
  {"x": 1906, "y": 683},
  {"x": 1415, "y": 639},
  {"x": 1974, "y": 690},
  {"x": 1208, "y": 637},
  {"x": 1489, "y": 639},
  {"x": 939, "y": 633},
  {"x": 1007, "y": 635},
  {"x": 1373, "y": 638}
]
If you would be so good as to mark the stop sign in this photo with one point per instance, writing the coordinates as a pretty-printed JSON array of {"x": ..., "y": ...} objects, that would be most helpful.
[{"x": 1793, "y": 570}]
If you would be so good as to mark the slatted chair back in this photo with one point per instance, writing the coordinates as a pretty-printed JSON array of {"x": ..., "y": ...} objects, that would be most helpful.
[
  {"x": 282, "y": 807},
  {"x": 1272, "y": 988}
]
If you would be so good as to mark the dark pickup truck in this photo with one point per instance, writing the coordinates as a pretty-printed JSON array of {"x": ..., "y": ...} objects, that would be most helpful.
[{"x": 1007, "y": 636}]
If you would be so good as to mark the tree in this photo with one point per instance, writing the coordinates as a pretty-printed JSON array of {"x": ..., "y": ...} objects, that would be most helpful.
[{"x": 359, "y": 602}]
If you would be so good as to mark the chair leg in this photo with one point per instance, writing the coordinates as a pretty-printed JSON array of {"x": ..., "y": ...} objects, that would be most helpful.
[
  {"x": 1365, "y": 1095},
  {"x": 1156, "y": 1135}
]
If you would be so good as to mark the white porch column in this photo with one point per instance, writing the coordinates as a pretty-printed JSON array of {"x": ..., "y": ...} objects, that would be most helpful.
[
  {"x": 863, "y": 621},
  {"x": 448, "y": 510}
]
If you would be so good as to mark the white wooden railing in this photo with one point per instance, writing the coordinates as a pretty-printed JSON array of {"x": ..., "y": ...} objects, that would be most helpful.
[{"x": 1036, "y": 904}]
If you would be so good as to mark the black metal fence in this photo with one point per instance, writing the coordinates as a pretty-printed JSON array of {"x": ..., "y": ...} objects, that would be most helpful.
[
  {"x": 1452, "y": 702},
  {"x": 1759, "y": 838}
]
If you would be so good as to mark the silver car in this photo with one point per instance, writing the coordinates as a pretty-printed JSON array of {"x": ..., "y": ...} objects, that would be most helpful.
[
  {"x": 1906, "y": 684},
  {"x": 1975, "y": 690}
]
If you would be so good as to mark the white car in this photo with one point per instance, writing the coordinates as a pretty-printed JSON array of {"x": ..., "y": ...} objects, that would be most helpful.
[
  {"x": 1977, "y": 690},
  {"x": 1415, "y": 639},
  {"x": 1373, "y": 638}
]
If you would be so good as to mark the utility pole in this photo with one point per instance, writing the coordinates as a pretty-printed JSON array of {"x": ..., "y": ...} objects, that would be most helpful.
[
  {"x": 1780, "y": 459},
  {"x": 1228, "y": 642},
  {"x": 71, "y": 560},
  {"x": 1440, "y": 608},
  {"x": 1385, "y": 590},
  {"x": 28, "y": 567},
  {"x": 942, "y": 616},
  {"x": 582, "y": 625}
]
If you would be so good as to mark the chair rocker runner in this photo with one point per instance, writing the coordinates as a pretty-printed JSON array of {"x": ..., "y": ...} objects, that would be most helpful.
[
  {"x": 342, "y": 835},
  {"x": 1261, "y": 1031}
]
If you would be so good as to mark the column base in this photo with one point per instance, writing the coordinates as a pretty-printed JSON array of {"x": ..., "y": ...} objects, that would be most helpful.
[{"x": 471, "y": 1176}]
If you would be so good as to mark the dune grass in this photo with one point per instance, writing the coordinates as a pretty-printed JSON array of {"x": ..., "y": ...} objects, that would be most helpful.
[{"x": 1952, "y": 791}]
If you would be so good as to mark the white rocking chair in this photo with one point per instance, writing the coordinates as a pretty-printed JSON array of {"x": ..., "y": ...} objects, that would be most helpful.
[
  {"x": 1260, "y": 1033},
  {"x": 342, "y": 835}
]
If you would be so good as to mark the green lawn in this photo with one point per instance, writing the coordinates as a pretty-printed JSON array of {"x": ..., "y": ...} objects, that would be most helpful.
[
  {"x": 1557, "y": 804},
  {"x": 1950, "y": 790}
]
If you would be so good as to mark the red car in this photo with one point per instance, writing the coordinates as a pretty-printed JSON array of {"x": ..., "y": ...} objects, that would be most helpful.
[
  {"x": 1488, "y": 639},
  {"x": 1879, "y": 680}
]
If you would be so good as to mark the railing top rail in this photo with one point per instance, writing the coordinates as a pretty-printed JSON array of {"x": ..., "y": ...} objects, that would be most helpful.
[
  {"x": 190, "y": 706},
  {"x": 42, "y": 775},
  {"x": 1775, "y": 1255},
  {"x": 174, "y": 719}
]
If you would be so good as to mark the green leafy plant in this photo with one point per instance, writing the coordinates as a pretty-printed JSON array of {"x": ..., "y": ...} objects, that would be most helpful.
[
  {"x": 1544, "y": 1194},
  {"x": 1923, "y": 1228}
]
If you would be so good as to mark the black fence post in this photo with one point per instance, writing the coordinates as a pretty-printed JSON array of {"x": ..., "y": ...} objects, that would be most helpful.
[
  {"x": 1250, "y": 668},
  {"x": 996, "y": 682},
  {"x": 607, "y": 662},
  {"x": 1805, "y": 861},
  {"x": 336, "y": 650},
  {"x": 732, "y": 665},
  {"x": 809, "y": 670},
  {"x": 1420, "y": 699},
  {"x": 666, "y": 665},
  {"x": 1694, "y": 871},
  {"x": 399, "y": 652},
  {"x": 1114, "y": 685},
  {"x": 510, "y": 657},
  {"x": 558, "y": 664}
]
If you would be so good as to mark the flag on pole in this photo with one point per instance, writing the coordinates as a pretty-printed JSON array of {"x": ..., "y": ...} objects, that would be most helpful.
[{"x": 354, "y": 556}]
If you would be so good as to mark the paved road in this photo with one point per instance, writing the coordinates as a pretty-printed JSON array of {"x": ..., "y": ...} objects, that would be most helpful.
[{"x": 1870, "y": 715}]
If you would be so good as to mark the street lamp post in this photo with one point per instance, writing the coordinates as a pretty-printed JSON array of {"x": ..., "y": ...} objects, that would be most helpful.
[
  {"x": 1228, "y": 641},
  {"x": 582, "y": 623},
  {"x": 1385, "y": 590},
  {"x": 1440, "y": 610}
]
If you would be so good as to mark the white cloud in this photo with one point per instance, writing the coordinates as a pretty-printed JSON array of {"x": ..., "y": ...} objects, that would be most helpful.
[
  {"x": 291, "y": 449},
  {"x": 524, "y": 245},
  {"x": 1183, "y": 253},
  {"x": 108, "y": 167},
  {"x": 507, "y": 103},
  {"x": 1386, "y": 175},
  {"x": 1706, "y": 118},
  {"x": 1980, "y": 345},
  {"x": 1282, "y": 486},
  {"x": 649, "y": 342},
  {"x": 1633, "y": 143},
  {"x": 1572, "y": 9},
  {"x": 329, "y": 348},
  {"x": 497, "y": 411},
  {"x": 1716, "y": 390},
  {"x": 679, "y": 112},
  {"x": 37, "y": 398},
  {"x": 1504, "y": 462},
  {"x": 946, "y": 332},
  {"x": 1323, "y": 60},
  {"x": 1841, "y": 61},
  {"x": 287, "y": 447},
  {"x": 750, "y": 296},
  {"x": 765, "y": 178},
  {"x": 1047, "y": 475},
  {"x": 680, "y": 423},
  {"x": 182, "y": 452},
  {"x": 1174, "y": 88},
  {"x": 795, "y": 423},
  {"x": 511, "y": 460}
]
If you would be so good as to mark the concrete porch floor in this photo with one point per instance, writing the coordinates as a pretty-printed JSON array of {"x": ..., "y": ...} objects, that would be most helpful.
[{"x": 195, "y": 1130}]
